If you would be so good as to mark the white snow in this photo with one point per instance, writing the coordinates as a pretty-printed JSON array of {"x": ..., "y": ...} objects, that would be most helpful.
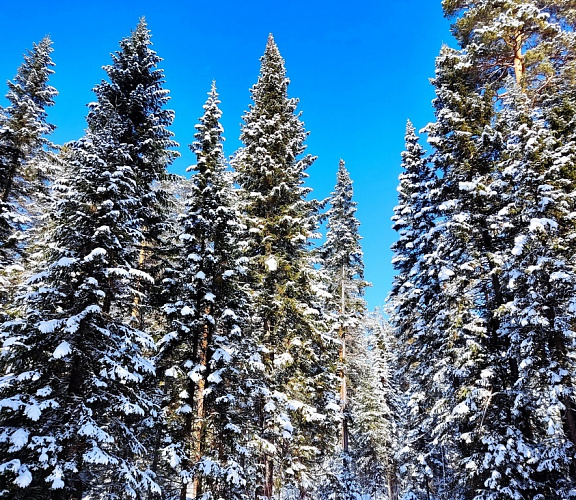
[
  {"x": 19, "y": 438},
  {"x": 271, "y": 264},
  {"x": 97, "y": 252},
  {"x": 62, "y": 350},
  {"x": 65, "y": 262},
  {"x": 24, "y": 477},
  {"x": 48, "y": 326},
  {"x": 33, "y": 412},
  {"x": 186, "y": 311},
  {"x": 445, "y": 274},
  {"x": 542, "y": 225}
]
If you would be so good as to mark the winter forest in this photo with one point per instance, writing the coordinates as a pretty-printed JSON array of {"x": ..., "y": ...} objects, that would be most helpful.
[{"x": 206, "y": 337}]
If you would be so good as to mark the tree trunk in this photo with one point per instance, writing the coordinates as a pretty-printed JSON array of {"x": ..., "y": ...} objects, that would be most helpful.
[
  {"x": 199, "y": 432},
  {"x": 343, "y": 384},
  {"x": 269, "y": 477},
  {"x": 519, "y": 67},
  {"x": 392, "y": 485}
]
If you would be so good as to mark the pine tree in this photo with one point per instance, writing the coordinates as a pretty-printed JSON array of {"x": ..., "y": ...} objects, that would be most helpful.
[
  {"x": 496, "y": 161},
  {"x": 298, "y": 379},
  {"x": 206, "y": 355},
  {"x": 72, "y": 391},
  {"x": 23, "y": 131},
  {"x": 413, "y": 313},
  {"x": 341, "y": 256}
]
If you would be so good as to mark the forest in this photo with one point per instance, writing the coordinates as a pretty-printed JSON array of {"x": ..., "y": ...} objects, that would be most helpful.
[{"x": 206, "y": 337}]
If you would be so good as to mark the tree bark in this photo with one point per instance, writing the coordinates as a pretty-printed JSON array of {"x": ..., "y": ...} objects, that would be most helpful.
[
  {"x": 519, "y": 67},
  {"x": 199, "y": 431},
  {"x": 343, "y": 384}
]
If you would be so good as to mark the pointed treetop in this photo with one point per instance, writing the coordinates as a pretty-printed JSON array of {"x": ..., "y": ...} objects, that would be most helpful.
[
  {"x": 410, "y": 128},
  {"x": 272, "y": 53},
  {"x": 271, "y": 47}
]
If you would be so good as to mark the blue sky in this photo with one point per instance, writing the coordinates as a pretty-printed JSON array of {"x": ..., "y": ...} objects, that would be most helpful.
[{"x": 360, "y": 70}]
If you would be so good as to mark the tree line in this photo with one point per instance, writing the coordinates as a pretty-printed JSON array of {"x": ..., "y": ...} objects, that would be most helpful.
[
  {"x": 178, "y": 338},
  {"x": 174, "y": 338}
]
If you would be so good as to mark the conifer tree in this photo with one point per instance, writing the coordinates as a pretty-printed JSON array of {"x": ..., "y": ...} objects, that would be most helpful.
[
  {"x": 489, "y": 147},
  {"x": 23, "y": 131},
  {"x": 412, "y": 311},
  {"x": 298, "y": 376},
  {"x": 206, "y": 355},
  {"x": 72, "y": 398},
  {"x": 341, "y": 256}
]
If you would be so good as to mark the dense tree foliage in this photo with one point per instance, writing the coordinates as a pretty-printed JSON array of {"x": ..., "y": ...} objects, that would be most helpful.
[
  {"x": 185, "y": 339},
  {"x": 24, "y": 165},
  {"x": 491, "y": 354}
]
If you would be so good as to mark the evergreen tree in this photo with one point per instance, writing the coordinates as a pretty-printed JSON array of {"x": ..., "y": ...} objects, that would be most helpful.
[
  {"x": 206, "y": 355},
  {"x": 344, "y": 268},
  {"x": 23, "y": 131},
  {"x": 412, "y": 312},
  {"x": 498, "y": 160},
  {"x": 299, "y": 382},
  {"x": 72, "y": 395}
]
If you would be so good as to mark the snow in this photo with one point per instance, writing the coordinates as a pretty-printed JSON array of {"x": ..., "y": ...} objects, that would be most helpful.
[
  {"x": 24, "y": 477},
  {"x": 519, "y": 243},
  {"x": 62, "y": 350},
  {"x": 559, "y": 276},
  {"x": 215, "y": 378},
  {"x": 48, "y": 326},
  {"x": 445, "y": 274},
  {"x": 271, "y": 264},
  {"x": 19, "y": 439},
  {"x": 65, "y": 262},
  {"x": 33, "y": 412},
  {"x": 542, "y": 225},
  {"x": 141, "y": 275},
  {"x": 97, "y": 252},
  {"x": 186, "y": 311},
  {"x": 461, "y": 409}
]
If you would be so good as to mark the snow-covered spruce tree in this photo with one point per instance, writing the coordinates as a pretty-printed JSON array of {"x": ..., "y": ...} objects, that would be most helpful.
[
  {"x": 374, "y": 408},
  {"x": 71, "y": 391},
  {"x": 300, "y": 382},
  {"x": 135, "y": 89},
  {"x": 205, "y": 356},
  {"x": 23, "y": 131},
  {"x": 522, "y": 48},
  {"x": 539, "y": 318},
  {"x": 341, "y": 256},
  {"x": 413, "y": 313}
]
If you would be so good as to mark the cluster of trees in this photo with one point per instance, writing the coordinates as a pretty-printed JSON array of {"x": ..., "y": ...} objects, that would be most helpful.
[
  {"x": 171, "y": 338},
  {"x": 484, "y": 301}
]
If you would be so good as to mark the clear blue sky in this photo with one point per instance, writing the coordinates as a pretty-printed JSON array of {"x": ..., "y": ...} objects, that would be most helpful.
[{"x": 360, "y": 70}]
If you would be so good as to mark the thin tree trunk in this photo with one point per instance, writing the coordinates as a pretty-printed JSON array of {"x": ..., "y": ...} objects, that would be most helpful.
[
  {"x": 199, "y": 431},
  {"x": 269, "y": 477},
  {"x": 392, "y": 484},
  {"x": 343, "y": 384}
]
